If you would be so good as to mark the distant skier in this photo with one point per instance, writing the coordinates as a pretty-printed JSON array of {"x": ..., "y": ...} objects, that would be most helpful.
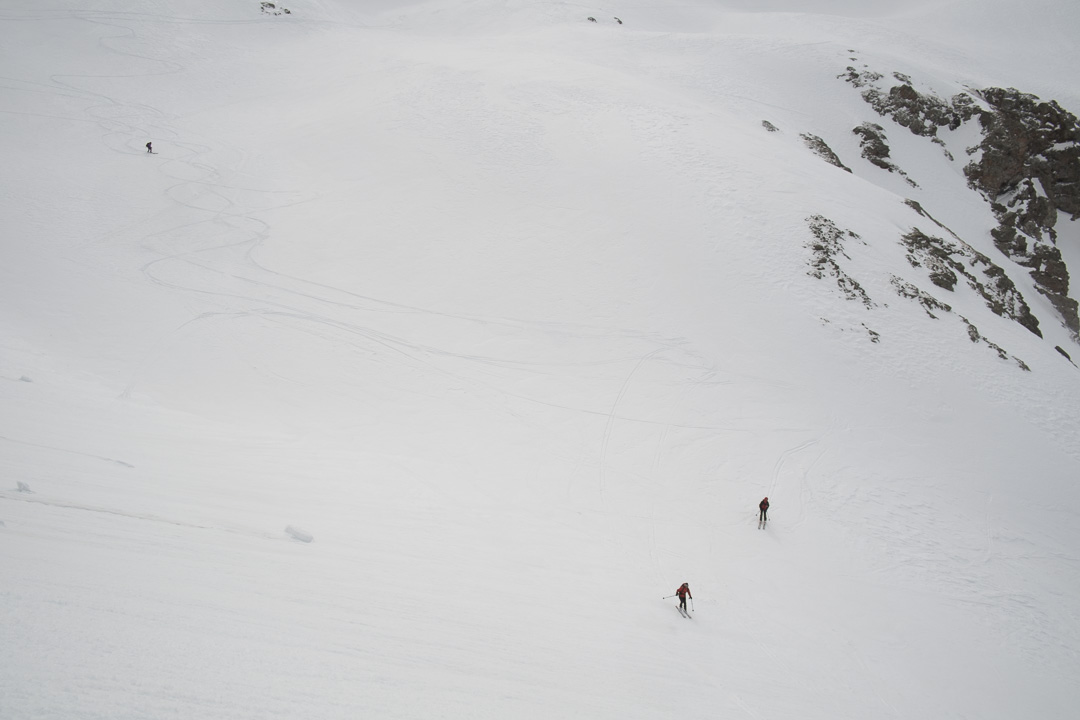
[
  {"x": 149, "y": 148},
  {"x": 683, "y": 592},
  {"x": 763, "y": 517}
]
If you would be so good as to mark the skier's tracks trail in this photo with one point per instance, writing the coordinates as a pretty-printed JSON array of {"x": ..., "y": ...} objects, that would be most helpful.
[
  {"x": 68, "y": 505},
  {"x": 214, "y": 253},
  {"x": 804, "y": 492}
]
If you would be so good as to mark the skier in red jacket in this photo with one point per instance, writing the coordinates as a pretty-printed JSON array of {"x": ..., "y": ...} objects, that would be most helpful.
[
  {"x": 764, "y": 516},
  {"x": 683, "y": 592}
]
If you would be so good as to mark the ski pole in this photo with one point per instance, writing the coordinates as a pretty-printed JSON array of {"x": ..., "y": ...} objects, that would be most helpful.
[
  {"x": 692, "y": 604},
  {"x": 667, "y": 596}
]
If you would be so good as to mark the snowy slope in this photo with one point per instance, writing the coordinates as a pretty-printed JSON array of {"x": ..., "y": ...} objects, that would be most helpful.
[{"x": 511, "y": 313}]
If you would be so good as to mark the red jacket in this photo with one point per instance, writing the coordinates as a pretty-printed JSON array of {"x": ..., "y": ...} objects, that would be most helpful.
[
  {"x": 683, "y": 590},
  {"x": 764, "y": 504}
]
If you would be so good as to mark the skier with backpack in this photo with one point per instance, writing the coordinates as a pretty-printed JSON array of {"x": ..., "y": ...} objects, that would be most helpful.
[
  {"x": 763, "y": 516},
  {"x": 683, "y": 592}
]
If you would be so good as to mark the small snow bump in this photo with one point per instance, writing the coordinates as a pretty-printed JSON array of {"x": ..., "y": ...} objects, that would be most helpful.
[{"x": 298, "y": 534}]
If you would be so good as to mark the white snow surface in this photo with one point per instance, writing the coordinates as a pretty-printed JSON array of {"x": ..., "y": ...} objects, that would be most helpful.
[{"x": 510, "y": 312}]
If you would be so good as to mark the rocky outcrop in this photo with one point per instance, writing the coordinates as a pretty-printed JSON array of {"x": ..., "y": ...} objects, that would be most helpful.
[
  {"x": 1028, "y": 167},
  {"x": 876, "y": 150},
  {"x": 923, "y": 114},
  {"x": 976, "y": 337},
  {"x": 271, "y": 9},
  {"x": 914, "y": 205},
  {"x": 874, "y": 147},
  {"x": 822, "y": 150},
  {"x": 826, "y": 247},
  {"x": 929, "y": 303},
  {"x": 947, "y": 262},
  {"x": 1026, "y": 139}
]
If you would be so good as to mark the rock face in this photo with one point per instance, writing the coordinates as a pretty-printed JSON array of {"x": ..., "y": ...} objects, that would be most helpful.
[
  {"x": 1027, "y": 166},
  {"x": 947, "y": 262},
  {"x": 920, "y": 113},
  {"x": 929, "y": 303},
  {"x": 874, "y": 147},
  {"x": 826, "y": 247},
  {"x": 1029, "y": 169},
  {"x": 876, "y": 150},
  {"x": 822, "y": 150},
  {"x": 1025, "y": 139}
]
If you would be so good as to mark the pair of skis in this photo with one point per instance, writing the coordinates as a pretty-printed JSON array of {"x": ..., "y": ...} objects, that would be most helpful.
[{"x": 681, "y": 607}]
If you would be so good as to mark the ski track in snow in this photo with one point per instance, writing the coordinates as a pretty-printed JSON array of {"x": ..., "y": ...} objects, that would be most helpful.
[{"x": 120, "y": 513}]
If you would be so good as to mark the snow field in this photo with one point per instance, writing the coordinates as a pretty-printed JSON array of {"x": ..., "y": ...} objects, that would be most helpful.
[{"x": 509, "y": 314}]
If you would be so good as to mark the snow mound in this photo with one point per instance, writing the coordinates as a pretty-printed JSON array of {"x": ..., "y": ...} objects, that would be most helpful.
[{"x": 298, "y": 534}]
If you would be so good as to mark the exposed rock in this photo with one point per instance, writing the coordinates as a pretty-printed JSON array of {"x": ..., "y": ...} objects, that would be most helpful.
[
  {"x": 928, "y": 301},
  {"x": 931, "y": 304},
  {"x": 914, "y": 205},
  {"x": 271, "y": 9},
  {"x": 1025, "y": 138},
  {"x": 876, "y": 150},
  {"x": 874, "y": 147},
  {"x": 769, "y": 126},
  {"x": 926, "y": 251},
  {"x": 861, "y": 78},
  {"x": 827, "y": 245},
  {"x": 975, "y": 336},
  {"x": 1029, "y": 169},
  {"x": 920, "y": 113},
  {"x": 1027, "y": 166},
  {"x": 822, "y": 150},
  {"x": 947, "y": 262}
]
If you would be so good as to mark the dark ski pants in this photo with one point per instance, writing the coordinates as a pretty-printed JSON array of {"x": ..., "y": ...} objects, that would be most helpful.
[{"x": 762, "y": 517}]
